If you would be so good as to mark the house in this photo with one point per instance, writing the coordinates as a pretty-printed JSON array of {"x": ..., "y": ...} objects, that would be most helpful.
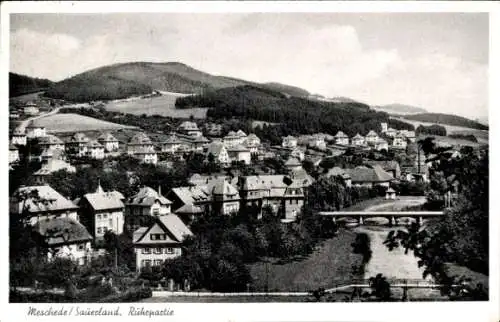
[
  {"x": 293, "y": 163},
  {"x": 318, "y": 142},
  {"x": 239, "y": 153},
  {"x": 231, "y": 139},
  {"x": 13, "y": 154},
  {"x": 18, "y": 137},
  {"x": 102, "y": 211},
  {"x": 188, "y": 212},
  {"x": 369, "y": 176},
  {"x": 34, "y": 130},
  {"x": 50, "y": 166},
  {"x": 390, "y": 194},
  {"x": 50, "y": 154},
  {"x": 409, "y": 135},
  {"x": 95, "y": 150},
  {"x": 65, "y": 238},
  {"x": 358, "y": 140},
  {"x": 298, "y": 154},
  {"x": 35, "y": 203},
  {"x": 399, "y": 141},
  {"x": 392, "y": 167},
  {"x": 198, "y": 143},
  {"x": 225, "y": 197},
  {"x": 371, "y": 138},
  {"x": 110, "y": 143},
  {"x": 140, "y": 142},
  {"x": 143, "y": 206},
  {"x": 252, "y": 142},
  {"x": 391, "y": 132},
  {"x": 77, "y": 144},
  {"x": 341, "y": 138},
  {"x": 51, "y": 142},
  {"x": 289, "y": 142},
  {"x": 219, "y": 152},
  {"x": 340, "y": 173},
  {"x": 213, "y": 129},
  {"x": 160, "y": 241},
  {"x": 381, "y": 144},
  {"x": 31, "y": 109},
  {"x": 293, "y": 200},
  {"x": 189, "y": 128},
  {"x": 171, "y": 144},
  {"x": 198, "y": 196},
  {"x": 383, "y": 127}
]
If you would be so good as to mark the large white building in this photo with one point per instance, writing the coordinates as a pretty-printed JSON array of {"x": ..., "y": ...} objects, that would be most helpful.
[{"x": 341, "y": 138}]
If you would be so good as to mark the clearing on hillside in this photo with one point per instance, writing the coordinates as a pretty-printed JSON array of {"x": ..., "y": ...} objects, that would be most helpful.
[
  {"x": 163, "y": 105},
  {"x": 59, "y": 123}
]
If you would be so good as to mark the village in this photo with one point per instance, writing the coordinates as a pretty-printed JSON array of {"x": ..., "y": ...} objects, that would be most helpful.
[{"x": 160, "y": 220}]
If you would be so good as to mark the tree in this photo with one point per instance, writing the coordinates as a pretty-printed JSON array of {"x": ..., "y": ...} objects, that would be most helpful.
[{"x": 381, "y": 288}]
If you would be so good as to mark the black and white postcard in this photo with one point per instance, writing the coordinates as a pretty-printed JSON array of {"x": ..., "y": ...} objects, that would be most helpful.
[{"x": 329, "y": 159}]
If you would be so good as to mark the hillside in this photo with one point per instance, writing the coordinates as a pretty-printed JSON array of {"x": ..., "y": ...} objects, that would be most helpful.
[
  {"x": 300, "y": 115},
  {"x": 61, "y": 123},
  {"x": 287, "y": 89},
  {"x": 138, "y": 78},
  {"x": 21, "y": 84},
  {"x": 446, "y": 119},
  {"x": 400, "y": 109}
]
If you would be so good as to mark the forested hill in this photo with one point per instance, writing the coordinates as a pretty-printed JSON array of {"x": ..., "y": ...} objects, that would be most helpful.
[
  {"x": 138, "y": 78},
  {"x": 299, "y": 115},
  {"x": 21, "y": 84},
  {"x": 447, "y": 119}
]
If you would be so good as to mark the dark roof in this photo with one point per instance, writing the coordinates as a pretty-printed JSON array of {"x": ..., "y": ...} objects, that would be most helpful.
[
  {"x": 147, "y": 197},
  {"x": 62, "y": 231},
  {"x": 365, "y": 174}
]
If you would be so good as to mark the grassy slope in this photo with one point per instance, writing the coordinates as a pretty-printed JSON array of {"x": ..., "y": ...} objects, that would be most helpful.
[
  {"x": 60, "y": 123},
  {"x": 447, "y": 119},
  {"x": 329, "y": 265}
]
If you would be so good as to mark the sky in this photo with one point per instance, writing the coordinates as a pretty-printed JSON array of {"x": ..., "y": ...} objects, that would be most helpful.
[{"x": 438, "y": 61}]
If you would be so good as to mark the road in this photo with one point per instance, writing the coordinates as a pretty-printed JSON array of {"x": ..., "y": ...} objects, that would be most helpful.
[{"x": 25, "y": 123}]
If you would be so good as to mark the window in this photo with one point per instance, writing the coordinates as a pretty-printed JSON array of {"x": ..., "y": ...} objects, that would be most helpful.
[
  {"x": 104, "y": 229},
  {"x": 81, "y": 247},
  {"x": 99, "y": 230},
  {"x": 147, "y": 262},
  {"x": 146, "y": 250},
  {"x": 99, "y": 217},
  {"x": 105, "y": 216},
  {"x": 169, "y": 250},
  {"x": 156, "y": 211},
  {"x": 158, "y": 262},
  {"x": 153, "y": 236},
  {"x": 111, "y": 222},
  {"x": 158, "y": 251}
]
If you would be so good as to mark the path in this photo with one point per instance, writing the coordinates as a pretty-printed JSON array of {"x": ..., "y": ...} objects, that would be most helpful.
[{"x": 26, "y": 122}]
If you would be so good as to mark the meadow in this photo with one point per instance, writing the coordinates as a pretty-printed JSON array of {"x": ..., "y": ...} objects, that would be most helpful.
[{"x": 60, "y": 123}]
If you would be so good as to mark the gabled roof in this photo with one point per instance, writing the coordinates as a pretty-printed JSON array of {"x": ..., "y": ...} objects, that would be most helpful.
[
  {"x": 79, "y": 138},
  {"x": 171, "y": 224},
  {"x": 381, "y": 141},
  {"x": 107, "y": 137},
  {"x": 240, "y": 133},
  {"x": 18, "y": 131},
  {"x": 62, "y": 230},
  {"x": 390, "y": 190},
  {"x": 189, "y": 209},
  {"x": 191, "y": 195},
  {"x": 391, "y": 164},
  {"x": 337, "y": 171},
  {"x": 372, "y": 133},
  {"x": 54, "y": 201},
  {"x": 187, "y": 125},
  {"x": 369, "y": 175},
  {"x": 147, "y": 197},
  {"x": 49, "y": 140},
  {"x": 140, "y": 138},
  {"x": 12, "y": 147},
  {"x": 222, "y": 187},
  {"x": 93, "y": 144},
  {"x": 54, "y": 165},
  {"x": 340, "y": 134},
  {"x": 358, "y": 136},
  {"x": 289, "y": 138},
  {"x": 252, "y": 136},
  {"x": 144, "y": 150},
  {"x": 292, "y": 161},
  {"x": 101, "y": 200}
]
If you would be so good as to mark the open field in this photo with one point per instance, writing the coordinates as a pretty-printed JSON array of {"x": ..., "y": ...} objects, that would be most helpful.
[
  {"x": 446, "y": 140},
  {"x": 161, "y": 105},
  {"x": 27, "y": 97},
  {"x": 328, "y": 266},
  {"x": 60, "y": 123},
  {"x": 481, "y": 135}
]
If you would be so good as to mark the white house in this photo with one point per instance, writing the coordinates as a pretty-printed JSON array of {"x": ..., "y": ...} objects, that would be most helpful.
[
  {"x": 160, "y": 241},
  {"x": 381, "y": 144},
  {"x": 220, "y": 153},
  {"x": 109, "y": 142},
  {"x": 226, "y": 199},
  {"x": 372, "y": 137},
  {"x": 298, "y": 153},
  {"x": 189, "y": 128},
  {"x": 252, "y": 142},
  {"x": 102, "y": 211},
  {"x": 410, "y": 135},
  {"x": 143, "y": 205},
  {"x": 239, "y": 153},
  {"x": 391, "y": 132},
  {"x": 13, "y": 154},
  {"x": 18, "y": 137},
  {"x": 141, "y": 147},
  {"x": 95, "y": 150},
  {"x": 35, "y": 203},
  {"x": 171, "y": 144},
  {"x": 31, "y": 109},
  {"x": 358, "y": 140},
  {"x": 64, "y": 238},
  {"x": 51, "y": 142},
  {"x": 399, "y": 142},
  {"x": 34, "y": 130},
  {"x": 52, "y": 165},
  {"x": 317, "y": 141},
  {"x": 78, "y": 144},
  {"x": 289, "y": 142},
  {"x": 341, "y": 138}
]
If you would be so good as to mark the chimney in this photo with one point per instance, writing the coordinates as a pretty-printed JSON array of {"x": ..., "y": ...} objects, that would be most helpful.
[{"x": 159, "y": 189}]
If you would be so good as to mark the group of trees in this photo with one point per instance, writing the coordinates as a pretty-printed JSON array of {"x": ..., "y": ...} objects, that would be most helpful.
[{"x": 462, "y": 235}]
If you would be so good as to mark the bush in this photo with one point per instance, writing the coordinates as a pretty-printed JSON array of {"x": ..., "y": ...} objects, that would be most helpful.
[{"x": 132, "y": 295}]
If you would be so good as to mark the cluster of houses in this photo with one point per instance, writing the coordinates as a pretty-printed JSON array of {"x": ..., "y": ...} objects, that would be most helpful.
[
  {"x": 235, "y": 146},
  {"x": 393, "y": 139}
]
